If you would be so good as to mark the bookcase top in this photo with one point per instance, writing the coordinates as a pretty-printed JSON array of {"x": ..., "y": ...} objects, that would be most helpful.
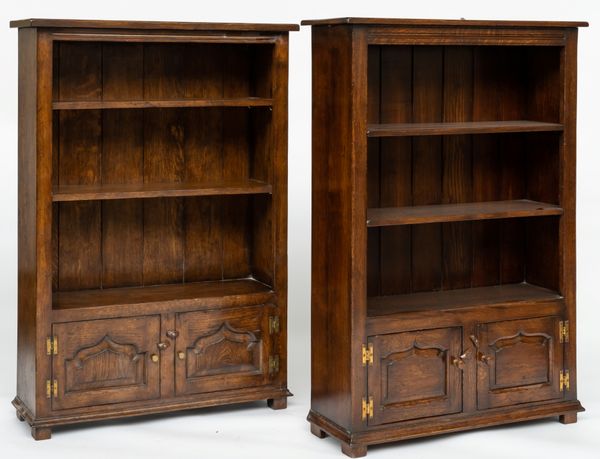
[
  {"x": 442, "y": 22},
  {"x": 152, "y": 25}
]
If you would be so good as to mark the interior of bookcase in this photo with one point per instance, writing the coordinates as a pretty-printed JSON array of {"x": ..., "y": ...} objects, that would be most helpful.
[
  {"x": 201, "y": 161},
  {"x": 463, "y": 173}
]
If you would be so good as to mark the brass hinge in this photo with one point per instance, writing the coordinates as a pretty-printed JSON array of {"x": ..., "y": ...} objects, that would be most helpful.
[
  {"x": 367, "y": 354},
  {"x": 51, "y": 345},
  {"x": 367, "y": 408},
  {"x": 564, "y": 331},
  {"x": 273, "y": 324},
  {"x": 564, "y": 382},
  {"x": 51, "y": 388},
  {"x": 273, "y": 364}
]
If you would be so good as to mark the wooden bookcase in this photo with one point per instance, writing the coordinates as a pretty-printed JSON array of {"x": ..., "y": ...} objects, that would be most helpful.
[
  {"x": 152, "y": 218},
  {"x": 443, "y": 279}
]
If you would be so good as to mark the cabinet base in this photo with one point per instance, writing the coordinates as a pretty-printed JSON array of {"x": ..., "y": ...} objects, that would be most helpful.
[
  {"x": 354, "y": 444},
  {"x": 41, "y": 427},
  {"x": 277, "y": 403}
]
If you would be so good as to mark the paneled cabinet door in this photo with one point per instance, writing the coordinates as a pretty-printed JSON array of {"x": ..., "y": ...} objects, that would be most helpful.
[
  {"x": 519, "y": 361},
  {"x": 415, "y": 374},
  {"x": 222, "y": 349},
  {"x": 106, "y": 361}
]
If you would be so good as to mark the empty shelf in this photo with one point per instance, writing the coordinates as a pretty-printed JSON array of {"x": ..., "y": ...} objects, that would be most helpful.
[
  {"x": 460, "y": 298},
  {"x": 181, "y": 295},
  {"x": 158, "y": 190},
  {"x": 174, "y": 103},
  {"x": 472, "y": 127},
  {"x": 438, "y": 213}
]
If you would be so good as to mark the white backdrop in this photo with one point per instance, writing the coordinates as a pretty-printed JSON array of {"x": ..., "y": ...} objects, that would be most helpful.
[{"x": 253, "y": 430}]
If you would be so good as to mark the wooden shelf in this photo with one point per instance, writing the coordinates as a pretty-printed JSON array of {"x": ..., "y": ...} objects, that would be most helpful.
[
  {"x": 157, "y": 190},
  {"x": 179, "y": 295},
  {"x": 473, "y": 127},
  {"x": 174, "y": 103},
  {"x": 439, "y": 213},
  {"x": 460, "y": 298}
]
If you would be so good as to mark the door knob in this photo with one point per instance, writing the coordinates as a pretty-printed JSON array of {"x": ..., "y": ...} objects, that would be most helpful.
[
  {"x": 181, "y": 355},
  {"x": 154, "y": 358},
  {"x": 483, "y": 358},
  {"x": 163, "y": 345},
  {"x": 459, "y": 362},
  {"x": 172, "y": 334}
]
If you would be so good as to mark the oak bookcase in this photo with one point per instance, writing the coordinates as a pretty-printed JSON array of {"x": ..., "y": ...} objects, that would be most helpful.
[
  {"x": 152, "y": 218},
  {"x": 443, "y": 226}
]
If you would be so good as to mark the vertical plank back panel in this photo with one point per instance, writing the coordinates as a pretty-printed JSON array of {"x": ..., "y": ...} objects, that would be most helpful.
[
  {"x": 395, "y": 173},
  {"x": 79, "y": 162},
  {"x": 164, "y": 140},
  {"x": 203, "y": 238},
  {"x": 457, "y": 166},
  {"x": 236, "y": 164},
  {"x": 486, "y": 256},
  {"x": 427, "y": 166},
  {"x": 122, "y": 162}
]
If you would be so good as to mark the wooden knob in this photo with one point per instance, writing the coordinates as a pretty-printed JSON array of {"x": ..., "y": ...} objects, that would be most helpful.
[
  {"x": 172, "y": 334},
  {"x": 163, "y": 345},
  {"x": 458, "y": 362},
  {"x": 181, "y": 355},
  {"x": 484, "y": 358},
  {"x": 154, "y": 358}
]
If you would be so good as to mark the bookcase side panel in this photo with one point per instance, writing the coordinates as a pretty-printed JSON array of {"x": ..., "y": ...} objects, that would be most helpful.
[{"x": 331, "y": 321}]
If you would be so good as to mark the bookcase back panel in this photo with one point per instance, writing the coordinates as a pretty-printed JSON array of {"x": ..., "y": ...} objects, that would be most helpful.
[
  {"x": 471, "y": 254},
  {"x": 159, "y": 241},
  {"x": 131, "y": 71},
  {"x": 463, "y": 83}
]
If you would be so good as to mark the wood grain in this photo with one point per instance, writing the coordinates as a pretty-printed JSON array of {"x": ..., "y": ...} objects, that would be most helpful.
[{"x": 458, "y": 128}]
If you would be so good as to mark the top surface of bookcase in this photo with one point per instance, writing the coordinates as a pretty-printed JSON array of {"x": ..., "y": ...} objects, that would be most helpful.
[
  {"x": 442, "y": 22},
  {"x": 152, "y": 25}
]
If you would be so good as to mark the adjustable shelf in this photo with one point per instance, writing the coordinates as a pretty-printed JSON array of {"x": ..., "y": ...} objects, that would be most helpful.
[
  {"x": 439, "y": 213},
  {"x": 158, "y": 190},
  {"x": 470, "y": 127},
  {"x": 175, "y": 103}
]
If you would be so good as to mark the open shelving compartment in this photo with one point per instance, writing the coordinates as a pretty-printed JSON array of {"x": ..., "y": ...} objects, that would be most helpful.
[
  {"x": 463, "y": 172},
  {"x": 162, "y": 173}
]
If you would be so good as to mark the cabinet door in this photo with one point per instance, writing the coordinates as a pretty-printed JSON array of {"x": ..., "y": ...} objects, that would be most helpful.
[
  {"x": 519, "y": 362},
  {"x": 412, "y": 375},
  {"x": 106, "y": 361},
  {"x": 222, "y": 349}
]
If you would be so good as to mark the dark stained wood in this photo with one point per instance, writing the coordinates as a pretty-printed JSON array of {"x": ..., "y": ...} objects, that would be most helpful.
[
  {"x": 431, "y": 359},
  {"x": 181, "y": 103},
  {"x": 79, "y": 163},
  {"x": 467, "y": 154},
  {"x": 520, "y": 362},
  {"x": 159, "y": 190},
  {"x": 457, "y": 161},
  {"x": 395, "y": 169},
  {"x": 150, "y": 199},
  {"x": 460, "y": 298},
  {"x": 414, "y": 215},
  {"x": 222, "y": 350},
  {"x": 106, "y": 361},
  {"x": 159, "y": 293},
  {"x": 428, "y": 87},
  {"x": 442, "y": 22},
  {"x": 457, "y": 128},
  {"x": 27, "y": 294},
  {"x": 331, "y": 315},
  {"x": 160, "y": 25}
]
